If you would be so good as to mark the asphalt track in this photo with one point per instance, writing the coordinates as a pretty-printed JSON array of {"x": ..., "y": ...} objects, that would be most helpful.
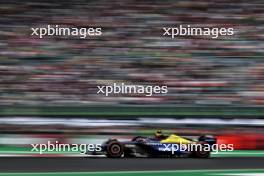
[{"x": 68, "y": 164}]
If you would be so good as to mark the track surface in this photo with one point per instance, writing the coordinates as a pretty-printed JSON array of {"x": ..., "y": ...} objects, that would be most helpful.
[{"x": 104, "y": 164}]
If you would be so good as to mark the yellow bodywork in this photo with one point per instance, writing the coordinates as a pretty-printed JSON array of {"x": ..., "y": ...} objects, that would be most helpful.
[{"x": 176, "y": 139}]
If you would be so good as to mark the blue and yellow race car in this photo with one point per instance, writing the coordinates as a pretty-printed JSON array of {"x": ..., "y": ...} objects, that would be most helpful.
[{"x": 160, "y": 146}]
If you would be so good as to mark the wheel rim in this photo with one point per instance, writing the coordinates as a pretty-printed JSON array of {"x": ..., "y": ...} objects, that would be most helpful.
[{"x": 115, "y": 149}]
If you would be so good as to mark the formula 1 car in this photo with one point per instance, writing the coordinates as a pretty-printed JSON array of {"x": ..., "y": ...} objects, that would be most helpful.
[{"x": 169, "y": 146}]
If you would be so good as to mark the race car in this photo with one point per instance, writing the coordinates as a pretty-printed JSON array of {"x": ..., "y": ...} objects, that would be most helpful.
[{"x": 159, "y": 146}]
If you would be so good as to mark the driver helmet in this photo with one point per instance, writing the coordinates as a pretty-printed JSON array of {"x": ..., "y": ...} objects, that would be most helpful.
[{"x": 158, "y": 133}]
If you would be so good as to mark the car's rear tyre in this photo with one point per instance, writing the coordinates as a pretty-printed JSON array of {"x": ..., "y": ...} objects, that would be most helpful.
[
  {"x": 201, "y": 152},
  {"x": 114, "y": 149}
]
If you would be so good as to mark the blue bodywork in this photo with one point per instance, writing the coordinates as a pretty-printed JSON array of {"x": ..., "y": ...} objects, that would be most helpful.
[{"x": 144, "y": 146}]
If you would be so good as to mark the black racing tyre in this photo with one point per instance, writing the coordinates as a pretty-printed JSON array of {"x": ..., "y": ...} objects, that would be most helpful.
[
  {"x": 114, "y": 149},
  {"x": 201, "y": 152},
  {"x": 205, "y": 137},
  {"x": 202, "y": 138}
]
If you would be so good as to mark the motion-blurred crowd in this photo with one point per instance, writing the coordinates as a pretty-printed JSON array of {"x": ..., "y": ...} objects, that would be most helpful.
[{"x": 66, "y": 70}]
